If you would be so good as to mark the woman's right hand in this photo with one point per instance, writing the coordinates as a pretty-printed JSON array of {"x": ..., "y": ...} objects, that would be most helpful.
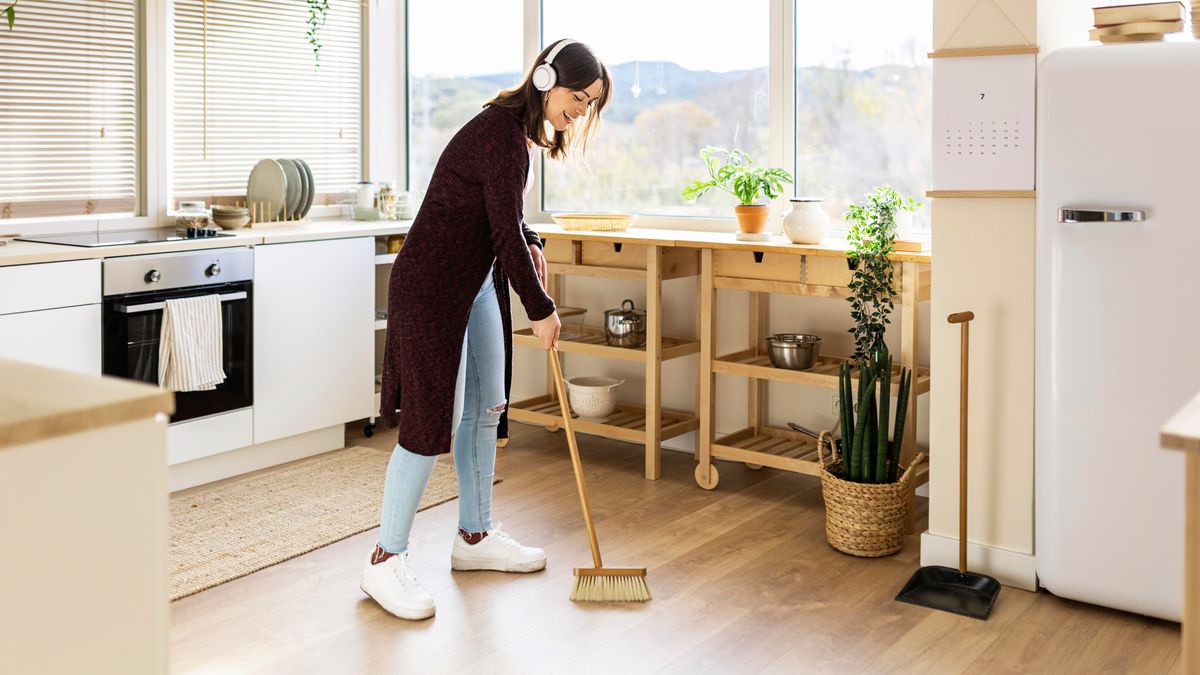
[{"x": 546, "y": 330}]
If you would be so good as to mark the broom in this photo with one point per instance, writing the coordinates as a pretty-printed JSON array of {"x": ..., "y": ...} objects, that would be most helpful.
[{"x": 599, "y": 583}]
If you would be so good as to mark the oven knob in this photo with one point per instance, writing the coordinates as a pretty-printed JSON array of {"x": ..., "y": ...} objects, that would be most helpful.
[
  {"x": 153, "y": 277},
  {"x": 213, "y": 270}
]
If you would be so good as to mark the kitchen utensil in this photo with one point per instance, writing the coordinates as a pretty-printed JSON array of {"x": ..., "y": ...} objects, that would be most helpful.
[
  {"x": 294, "y": 189},
  {"x": 572, "y": 329},
  {"x": 593, "y": 396},
  {"x": 625, "y": 327},
  {"x": 312, "y": 187},
  {"x": 305, "y": 189},
  {"x": 601, "y": 222},
  {"x": 837, "y": 442},
  {"x": 945, "y": 588},
  {"x": 599, "y": 583},
  {"x": 266, "y": 189},
  {"x": 793, "y": 351}
]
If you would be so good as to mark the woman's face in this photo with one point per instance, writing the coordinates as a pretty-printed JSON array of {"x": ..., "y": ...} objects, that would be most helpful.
[{"x": 563, "y": 106}]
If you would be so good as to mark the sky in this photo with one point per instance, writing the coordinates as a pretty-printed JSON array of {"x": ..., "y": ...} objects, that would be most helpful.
[{"x": 479, "y": 37}]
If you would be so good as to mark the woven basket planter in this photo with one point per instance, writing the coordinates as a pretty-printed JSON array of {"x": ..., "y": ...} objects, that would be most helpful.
[{"x": 867, "y": 520}]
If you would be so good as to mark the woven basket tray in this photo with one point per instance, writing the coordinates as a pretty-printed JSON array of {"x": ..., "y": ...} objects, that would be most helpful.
[
  {"x": 599, "y": 222},
  {"x": 867, "y": 520}
]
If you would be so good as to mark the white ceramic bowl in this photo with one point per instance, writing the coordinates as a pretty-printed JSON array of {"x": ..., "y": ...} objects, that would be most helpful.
[{"x": 593, "y": 396}]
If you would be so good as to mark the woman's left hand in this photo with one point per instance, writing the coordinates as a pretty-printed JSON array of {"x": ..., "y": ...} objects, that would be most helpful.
[{"x": 539, "y": 263}]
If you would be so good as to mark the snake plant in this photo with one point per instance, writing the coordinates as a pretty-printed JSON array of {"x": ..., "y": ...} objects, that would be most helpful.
[{"x": 869, "y": 457}]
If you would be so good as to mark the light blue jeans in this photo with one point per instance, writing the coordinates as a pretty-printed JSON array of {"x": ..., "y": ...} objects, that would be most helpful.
[{"x": 478, "y": 402}]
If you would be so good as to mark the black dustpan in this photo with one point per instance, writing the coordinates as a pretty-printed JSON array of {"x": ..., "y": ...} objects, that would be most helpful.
[{"x": 945, "y": 588}]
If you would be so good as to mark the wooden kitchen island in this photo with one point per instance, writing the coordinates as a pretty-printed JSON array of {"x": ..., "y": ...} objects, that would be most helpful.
[{"x": 722, "y": 263}]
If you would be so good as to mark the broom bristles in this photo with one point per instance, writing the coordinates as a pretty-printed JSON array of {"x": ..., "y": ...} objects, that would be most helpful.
[{"x": 610, "y": 588}]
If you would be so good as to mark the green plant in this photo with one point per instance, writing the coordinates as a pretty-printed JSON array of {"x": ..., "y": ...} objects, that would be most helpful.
[
  {"x": 738, "y": 175},
  {"x": 318, "y": 11},
  {"x": 867, "y": 454},
  {"x": 10, "y": 13},
  {"x": 872, "y": 239}
]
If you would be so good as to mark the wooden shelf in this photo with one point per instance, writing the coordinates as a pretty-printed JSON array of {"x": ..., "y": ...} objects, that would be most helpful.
[
  {"x": 385, "y": 258},
  {"x": 592, "y": 342},
  {"x": 781, "y": 449},
  {"x": 627, "y": 423},
  {"x": 824, "y": 373},
  {"x": 981, "y": 194},
  {"x": 983, "y": 51}
]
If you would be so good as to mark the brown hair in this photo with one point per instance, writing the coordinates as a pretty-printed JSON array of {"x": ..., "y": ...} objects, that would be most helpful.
[{"x": 577, "y": 68}]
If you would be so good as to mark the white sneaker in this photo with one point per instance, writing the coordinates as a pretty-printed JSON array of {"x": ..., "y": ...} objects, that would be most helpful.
[
  {"x": 497, "y": 551},
  {"x": 392, "y": 584}
]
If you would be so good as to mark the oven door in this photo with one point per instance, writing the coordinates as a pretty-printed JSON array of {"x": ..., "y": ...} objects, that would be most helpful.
[{"x": 132, "y": 331}]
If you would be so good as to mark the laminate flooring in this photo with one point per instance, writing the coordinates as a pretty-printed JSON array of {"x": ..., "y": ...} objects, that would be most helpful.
[{"x": 742, "y": 578}]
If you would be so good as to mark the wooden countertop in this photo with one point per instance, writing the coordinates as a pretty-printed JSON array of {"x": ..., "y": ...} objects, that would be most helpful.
[
  {"x": 38, "y": 403},
  {"x": 26, "y": 252},
  {"x": 1182, "y": 431},
  {"x": 715, "y": 240}
]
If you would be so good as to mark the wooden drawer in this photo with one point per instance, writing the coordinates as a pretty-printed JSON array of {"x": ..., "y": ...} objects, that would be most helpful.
[
  {"x": 774, "y": 266},
  {"x": 25, "y": 288},
  {"x": 604, "y": 254},
  {"x": 826, "y": 271},
  {"x": 559, "y": 251}
]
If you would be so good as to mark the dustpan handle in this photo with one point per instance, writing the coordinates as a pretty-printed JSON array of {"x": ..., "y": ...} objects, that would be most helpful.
[
  {"x": 963, "y": 318},
  {"x": 576, "y": 464}
]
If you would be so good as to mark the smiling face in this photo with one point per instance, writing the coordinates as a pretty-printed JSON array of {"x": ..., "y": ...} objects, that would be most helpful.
[{"x": 563, "y": 106}]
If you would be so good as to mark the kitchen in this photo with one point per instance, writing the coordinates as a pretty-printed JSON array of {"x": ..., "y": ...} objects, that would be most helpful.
[{"x": 302, "y": 306}]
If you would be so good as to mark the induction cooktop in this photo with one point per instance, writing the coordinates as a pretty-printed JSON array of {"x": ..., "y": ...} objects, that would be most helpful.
[{"x": 125, "y": 237}]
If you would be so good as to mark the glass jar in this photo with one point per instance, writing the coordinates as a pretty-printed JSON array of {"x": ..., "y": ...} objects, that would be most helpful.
[{"x": 192, "y": 215}]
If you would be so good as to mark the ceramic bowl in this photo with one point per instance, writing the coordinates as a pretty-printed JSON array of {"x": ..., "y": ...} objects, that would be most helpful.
[{"x": 593, "y": 396}]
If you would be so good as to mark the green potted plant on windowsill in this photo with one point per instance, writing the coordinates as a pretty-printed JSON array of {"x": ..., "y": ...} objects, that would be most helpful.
[{"x": 734, "y": 172}]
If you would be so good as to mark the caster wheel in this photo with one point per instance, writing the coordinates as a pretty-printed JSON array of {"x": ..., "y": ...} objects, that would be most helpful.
[
  {"x": 501, "y": 442},
  {"x": 369, "y": 430},
  {"x": 713, "y": 477},
  {"x": 552, "y": 428},
  {"x": 753, "y": 467}
]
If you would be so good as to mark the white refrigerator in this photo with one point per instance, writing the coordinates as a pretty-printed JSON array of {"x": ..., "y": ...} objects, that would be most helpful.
[{"x": 1118, "y": 318}]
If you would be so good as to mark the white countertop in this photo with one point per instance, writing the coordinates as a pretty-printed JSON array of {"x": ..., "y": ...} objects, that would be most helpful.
[{"x": 25, "y": 252}]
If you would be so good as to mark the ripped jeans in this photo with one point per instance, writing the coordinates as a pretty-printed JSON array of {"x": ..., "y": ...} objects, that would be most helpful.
[{"x": 478, "y": 402}]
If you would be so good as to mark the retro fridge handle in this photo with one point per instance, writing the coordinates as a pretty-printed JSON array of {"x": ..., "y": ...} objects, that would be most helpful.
[{"x": 1072, "y": 215}]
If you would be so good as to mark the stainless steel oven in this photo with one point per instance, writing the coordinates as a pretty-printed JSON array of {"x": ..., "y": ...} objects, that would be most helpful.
[{"x": 135, "y": 290}]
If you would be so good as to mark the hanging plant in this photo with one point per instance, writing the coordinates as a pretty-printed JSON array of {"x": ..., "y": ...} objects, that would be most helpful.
[
  {"x": 10, "y": 13},
  {"x": 318, "y": 11},
  {"x": 872, "y": 239}
]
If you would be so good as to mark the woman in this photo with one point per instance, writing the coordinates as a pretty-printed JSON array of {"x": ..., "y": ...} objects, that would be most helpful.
[{"x": 447, "y": 360}]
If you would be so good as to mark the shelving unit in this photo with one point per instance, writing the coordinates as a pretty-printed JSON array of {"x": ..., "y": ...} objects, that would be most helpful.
[
  {"x": 383, "y": 272},
  {"x": 813, "y": 271},
  {"x": 631, "y": 255}
]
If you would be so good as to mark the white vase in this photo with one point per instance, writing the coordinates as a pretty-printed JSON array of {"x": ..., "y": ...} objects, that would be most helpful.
[
  {"x": 806, "y": 222},
  {"x": 904, "y": 225}
]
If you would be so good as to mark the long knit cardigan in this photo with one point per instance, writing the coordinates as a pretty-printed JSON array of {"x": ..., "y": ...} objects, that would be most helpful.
[{"x": 470, "y": 217}]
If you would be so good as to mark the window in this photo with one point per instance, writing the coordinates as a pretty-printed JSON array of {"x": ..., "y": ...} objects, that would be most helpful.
[
  {"x": 451, "y": 79},
  {"x": 702, "y": 82},
  {"x": 863, "y": 101},
  {"x": 246, "y": 87},
  {"x": 69, "y": 109}
]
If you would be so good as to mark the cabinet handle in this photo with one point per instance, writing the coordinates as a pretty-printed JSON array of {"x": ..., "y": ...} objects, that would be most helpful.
[{"x": 1070, "y": 215}]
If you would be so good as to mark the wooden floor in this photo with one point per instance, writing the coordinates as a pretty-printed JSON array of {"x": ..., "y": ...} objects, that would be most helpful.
[{"x": 742, "y": 578}]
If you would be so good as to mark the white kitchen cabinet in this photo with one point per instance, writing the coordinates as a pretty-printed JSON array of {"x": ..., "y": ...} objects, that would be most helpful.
[
  {"x": 313, "y": 335},
  {"x": 50, "y": 315},
  {"x": 67, "y": 338}
]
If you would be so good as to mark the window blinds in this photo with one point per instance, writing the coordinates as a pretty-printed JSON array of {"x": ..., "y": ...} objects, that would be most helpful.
[
  {"x": 68, "y": 109},
  {"x": 246, "y": 87}
]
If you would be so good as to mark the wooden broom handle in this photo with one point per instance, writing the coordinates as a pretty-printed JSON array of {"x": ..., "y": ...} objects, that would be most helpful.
[
  {"x": 963, "y": 318},
  {"x": 576, "y": 464}
]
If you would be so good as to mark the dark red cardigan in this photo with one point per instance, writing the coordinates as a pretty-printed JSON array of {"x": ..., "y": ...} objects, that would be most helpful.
[{"x": 471, "y": 215}]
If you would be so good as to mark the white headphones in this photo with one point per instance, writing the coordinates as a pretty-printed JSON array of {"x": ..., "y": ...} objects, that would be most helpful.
[{"x": 545, "y": 76}]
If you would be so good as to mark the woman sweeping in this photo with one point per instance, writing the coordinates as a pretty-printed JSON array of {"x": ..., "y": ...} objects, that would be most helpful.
[{"x": 447, "y": 360}]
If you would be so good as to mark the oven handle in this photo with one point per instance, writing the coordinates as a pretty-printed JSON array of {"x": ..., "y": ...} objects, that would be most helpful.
[{"x": 151, "y": 306}]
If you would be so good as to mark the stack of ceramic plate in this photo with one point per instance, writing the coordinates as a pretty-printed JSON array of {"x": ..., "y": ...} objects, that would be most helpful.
[{"x": 280, "y": 190}]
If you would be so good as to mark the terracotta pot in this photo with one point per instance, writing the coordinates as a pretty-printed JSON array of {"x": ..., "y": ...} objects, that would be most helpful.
[{"x": 752, "y": 219}]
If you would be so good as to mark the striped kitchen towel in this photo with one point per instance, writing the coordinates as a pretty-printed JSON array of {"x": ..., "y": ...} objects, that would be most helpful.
[{"x": 189, "y": 351}]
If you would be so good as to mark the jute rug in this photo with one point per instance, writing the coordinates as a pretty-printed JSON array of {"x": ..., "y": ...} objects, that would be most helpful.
[{"x": 244, "y": 525}]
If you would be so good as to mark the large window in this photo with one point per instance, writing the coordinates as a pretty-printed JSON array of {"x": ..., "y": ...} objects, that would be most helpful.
[
  {"x": 685, "y": 75},
  {"x": 69, "y": 109},
  {"x": 863, "y": 100},
  {"x": 246, "y": 87},
  {"x": 460, "y": 55}
]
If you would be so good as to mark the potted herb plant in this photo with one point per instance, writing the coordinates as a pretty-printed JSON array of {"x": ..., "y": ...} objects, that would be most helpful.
[
  {"x": 871, "y": 240},
  {"x": 866, "y": 491},
  {"x": 734, "y": 172}
]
